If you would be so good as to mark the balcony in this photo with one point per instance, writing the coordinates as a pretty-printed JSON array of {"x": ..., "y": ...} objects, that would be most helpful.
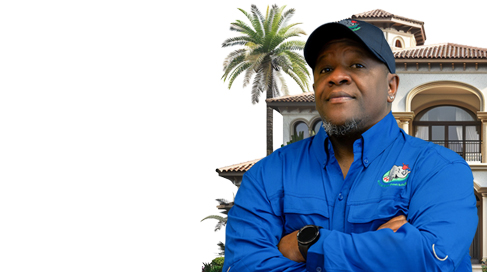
[{"x": 468, "y": 149}]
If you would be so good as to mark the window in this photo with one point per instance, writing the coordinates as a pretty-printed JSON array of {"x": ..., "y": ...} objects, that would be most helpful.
[
  {"x": 301, "y": 127},
  {"x": 398, "y": 43},
  {"x": 452, "y": 127}
]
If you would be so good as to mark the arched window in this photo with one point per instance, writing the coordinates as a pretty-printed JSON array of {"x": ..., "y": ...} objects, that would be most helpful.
[
  {"x": 398, "y": 43},
  {"x": 301, "y": 127},
  {"x": 452, "y": 127}
]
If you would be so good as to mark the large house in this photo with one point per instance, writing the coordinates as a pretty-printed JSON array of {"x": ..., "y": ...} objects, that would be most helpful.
[{"x": 441, "y": 98}]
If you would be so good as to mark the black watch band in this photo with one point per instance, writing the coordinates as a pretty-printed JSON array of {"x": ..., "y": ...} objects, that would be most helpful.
[{"x": 307, "y": 236}]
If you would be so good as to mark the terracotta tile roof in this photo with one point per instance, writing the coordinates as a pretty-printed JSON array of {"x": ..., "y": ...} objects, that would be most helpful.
[
  {"x": 240, "y": 167},
  {"x": 441, "y": 51},
  {"x": 379, "y": 13},
  {"x": 384, "y": 19},
  {"x": 308, "y": 97}
]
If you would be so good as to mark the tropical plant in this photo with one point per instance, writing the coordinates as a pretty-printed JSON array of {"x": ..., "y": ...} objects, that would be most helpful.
[
  {"x": 295, "y": 138},
  {"x": 216, "y": 265},
  {"x": 266, "y": 55},
  {"x": 222, "y": 221},
  {"x": 221, "y": 246}
]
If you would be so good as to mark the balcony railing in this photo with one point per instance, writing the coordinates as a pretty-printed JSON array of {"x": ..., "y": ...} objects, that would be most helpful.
[{"x": 468, "y": 149}]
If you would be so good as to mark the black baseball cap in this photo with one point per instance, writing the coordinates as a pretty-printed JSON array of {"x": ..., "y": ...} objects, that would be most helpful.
[{"x": 371, "y": 36}]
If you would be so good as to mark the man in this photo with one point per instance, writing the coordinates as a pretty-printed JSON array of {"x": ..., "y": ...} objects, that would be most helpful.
[{"x": 361, "y": 195}]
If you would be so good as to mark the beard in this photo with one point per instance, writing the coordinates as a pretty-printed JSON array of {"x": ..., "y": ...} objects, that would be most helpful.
[{"x": 350, "y": 128}]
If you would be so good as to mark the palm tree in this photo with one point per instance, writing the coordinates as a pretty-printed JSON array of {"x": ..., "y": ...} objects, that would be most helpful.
[{"x": 266, "y": 54}]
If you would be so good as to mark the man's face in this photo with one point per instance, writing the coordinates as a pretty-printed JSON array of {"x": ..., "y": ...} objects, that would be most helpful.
[{"x": 352, "y": 84}]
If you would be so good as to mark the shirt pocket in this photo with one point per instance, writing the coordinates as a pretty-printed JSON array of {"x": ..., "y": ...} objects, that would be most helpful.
[
  {"x": 298, "y": 211},
  {"x": 370, "y": 216}
]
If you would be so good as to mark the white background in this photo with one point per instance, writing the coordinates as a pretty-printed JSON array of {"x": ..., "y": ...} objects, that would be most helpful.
[{"x": 113, "y": 119}]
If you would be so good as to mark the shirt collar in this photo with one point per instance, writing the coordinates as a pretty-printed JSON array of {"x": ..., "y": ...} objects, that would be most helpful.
[
  {"x": 374, "y": 141},
  {"x": 377, "y": 138}
]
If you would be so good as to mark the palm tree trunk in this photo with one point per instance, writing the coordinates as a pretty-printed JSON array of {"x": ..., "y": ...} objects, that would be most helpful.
[{"x": 269, "y": 126}]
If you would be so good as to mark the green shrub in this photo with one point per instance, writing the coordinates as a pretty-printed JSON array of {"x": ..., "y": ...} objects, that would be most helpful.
[
  {"x": 218, "y": 261},
  {"x": 216, "y": 265}
]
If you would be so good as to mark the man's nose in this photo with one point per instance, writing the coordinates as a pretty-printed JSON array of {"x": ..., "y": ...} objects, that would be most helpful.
[{"x": 339, "y": 76}]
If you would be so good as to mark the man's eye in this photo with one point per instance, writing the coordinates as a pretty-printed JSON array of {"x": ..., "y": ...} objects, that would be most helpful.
[
  {"x": 325, "y": 70},
  {"x": 357, "y": 65}
]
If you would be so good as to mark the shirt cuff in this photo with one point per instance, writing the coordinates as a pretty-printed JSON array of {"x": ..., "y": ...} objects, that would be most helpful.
[{"x": 316, "y": 256}]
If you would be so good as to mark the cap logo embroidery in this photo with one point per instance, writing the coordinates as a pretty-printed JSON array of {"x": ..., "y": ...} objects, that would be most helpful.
[
  {"x": 353, "y": 25},
  {"x": 397, "y": 176}
]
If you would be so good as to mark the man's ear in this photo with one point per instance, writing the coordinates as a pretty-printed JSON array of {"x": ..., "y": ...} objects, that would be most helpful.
[{"x": 393, "y": 84}]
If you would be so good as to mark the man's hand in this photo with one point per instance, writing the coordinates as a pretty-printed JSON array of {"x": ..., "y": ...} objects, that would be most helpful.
[
  {"x": 288, "y": 246},
  {"x": 395, "y": 223}
]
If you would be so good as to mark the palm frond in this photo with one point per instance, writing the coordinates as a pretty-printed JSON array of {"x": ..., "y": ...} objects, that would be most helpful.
[
  {"x": 298, "y": 62},
  {"x": 257, "y": 86},
  {"x": 240, "y": 40},
  {"x": 217, "y": 217},
  {"x": 278, "y": 19},
  {"x": 286, "y": 28},
  {"x": 221, "y": 247},
  {"x": 283, "y": 61},
  {"x": 234, "y": 63},
  {"x": 269, "y": 19},
  {"x": 290, "y": 45},
  {"x": 284, "y": 88},
  {"x": 234, "y": 54},
  {"x": 237, "y": 71},
  {"x": 257, "y": 20},
  {"x": 242, "y": 27},
  {"x": 222, "y": 201},
  {"x": 248, "y": 76},
  {"x": 222, "y": 221},
  {"x": 296, "y": 76},
  {"x": 292, "y": 32},
  {"x": 287, "y": 15},
  {"x": 257, "y": 13}
]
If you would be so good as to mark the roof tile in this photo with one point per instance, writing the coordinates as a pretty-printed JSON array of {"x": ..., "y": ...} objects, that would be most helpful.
[
  {"x": 441, "y": 51},
  {"x": 303, "y": 97},
  {"x": 240, "y": 167},
  {"x": 379, "y": 13}
]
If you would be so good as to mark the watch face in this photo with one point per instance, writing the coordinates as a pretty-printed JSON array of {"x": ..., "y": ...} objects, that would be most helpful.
[{"x": 307, "y": 234}]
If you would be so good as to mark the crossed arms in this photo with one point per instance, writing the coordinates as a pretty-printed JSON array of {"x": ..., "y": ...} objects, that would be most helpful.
[{"x": 441, "y": 222}]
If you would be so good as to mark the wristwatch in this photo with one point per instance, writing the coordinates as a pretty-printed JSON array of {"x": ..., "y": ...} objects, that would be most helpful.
[{"x": 307, "y": 236}]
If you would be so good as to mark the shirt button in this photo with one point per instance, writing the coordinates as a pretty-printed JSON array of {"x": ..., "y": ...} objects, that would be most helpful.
[
  {"x": 366, "y": 161},
  {"x": 318, "y": 269},
  {"x": 340, "y": 196}
]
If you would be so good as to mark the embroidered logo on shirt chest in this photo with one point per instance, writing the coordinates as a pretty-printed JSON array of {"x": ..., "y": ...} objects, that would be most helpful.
[{"x": 397, "y": 176}]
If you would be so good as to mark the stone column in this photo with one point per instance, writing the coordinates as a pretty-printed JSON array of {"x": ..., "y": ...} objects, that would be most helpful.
[
  {"x": 482, "y": 115},
  {"x": 483, "y": 234},
  {"x": 404, "y": 120}
]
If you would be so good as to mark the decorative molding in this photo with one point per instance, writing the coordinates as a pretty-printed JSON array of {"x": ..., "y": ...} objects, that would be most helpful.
[
  {"x": 442, "y": 84},
  {"x": 482, "y": 116}
]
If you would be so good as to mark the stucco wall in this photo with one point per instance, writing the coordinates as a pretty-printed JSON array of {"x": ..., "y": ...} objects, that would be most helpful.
[
  {"x": 409, "y": 81},
  {"x": 290, "y": 117}
]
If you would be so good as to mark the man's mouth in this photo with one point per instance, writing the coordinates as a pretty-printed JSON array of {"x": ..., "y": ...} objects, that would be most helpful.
[{"x": 339, "y": 97}]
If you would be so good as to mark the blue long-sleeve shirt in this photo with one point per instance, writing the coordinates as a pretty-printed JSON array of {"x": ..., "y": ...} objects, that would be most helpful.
[{"x": 392, "y": 174}]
